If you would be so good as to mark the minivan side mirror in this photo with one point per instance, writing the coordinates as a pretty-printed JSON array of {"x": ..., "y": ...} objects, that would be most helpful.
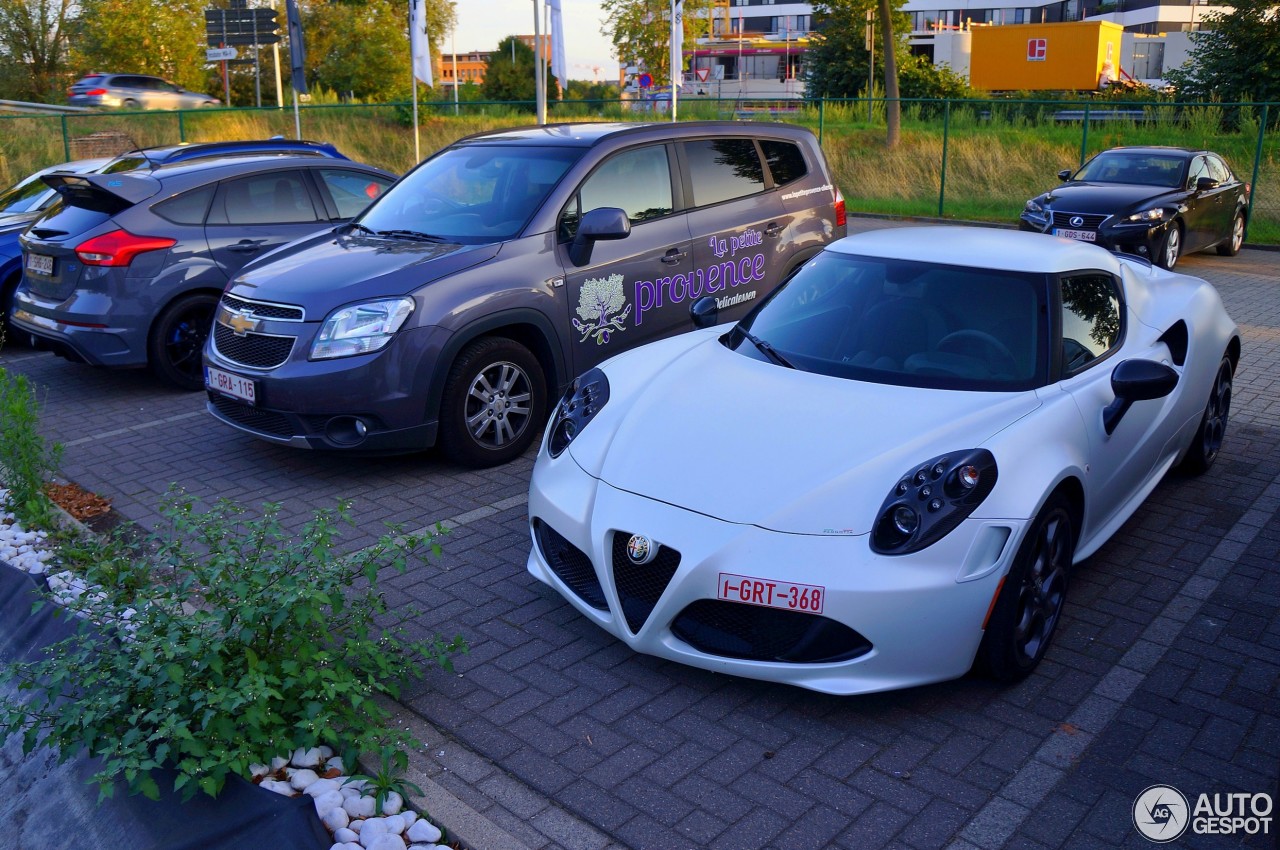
[
  {"x": 600, "y": 223},
  {"x": 1136, "y": 380},
  {"x": 704, "y": 313},
  {"x": 1064, "y": 174}
]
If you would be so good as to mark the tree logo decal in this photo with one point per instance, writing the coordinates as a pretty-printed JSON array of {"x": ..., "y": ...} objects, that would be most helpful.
[{"x": 600, "y": 299}]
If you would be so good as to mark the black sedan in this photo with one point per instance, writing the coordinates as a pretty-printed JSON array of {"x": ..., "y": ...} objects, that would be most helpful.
[{"x": 1156, "y": 202}]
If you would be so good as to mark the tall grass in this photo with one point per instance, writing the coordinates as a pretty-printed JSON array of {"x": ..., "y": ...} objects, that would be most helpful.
[{"x": 999, "y": 153}]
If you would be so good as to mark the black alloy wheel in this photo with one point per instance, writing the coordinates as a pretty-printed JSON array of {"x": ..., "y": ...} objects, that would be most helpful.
[
  {"x": 1207, "y": 442},
  {"x": 495, "y": 399},
  {"x": 1030, "y": 604},
  {"x": 177, "y": 340}
]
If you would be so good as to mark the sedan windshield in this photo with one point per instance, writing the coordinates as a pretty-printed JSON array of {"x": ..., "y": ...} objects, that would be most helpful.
[
  {"x": 1141, "y": 169},
  {"x": 908, "y": 323},
  {"x": 472, "y": 194}
]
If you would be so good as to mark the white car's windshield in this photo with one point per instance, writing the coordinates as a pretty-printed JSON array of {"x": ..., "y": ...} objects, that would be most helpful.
[
  {"x": 910, "y": 323},
  {"x": 471, "y": 194}
]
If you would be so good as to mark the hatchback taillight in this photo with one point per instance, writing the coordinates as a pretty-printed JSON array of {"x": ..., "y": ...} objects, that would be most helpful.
[
  {"x": 841, "y": 217},
  {"x": 96, "y": 92},
  {"x": 119, "y": 247}
]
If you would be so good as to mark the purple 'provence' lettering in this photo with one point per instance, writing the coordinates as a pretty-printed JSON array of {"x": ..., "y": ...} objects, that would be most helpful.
[{"x": 644, "y": 298}]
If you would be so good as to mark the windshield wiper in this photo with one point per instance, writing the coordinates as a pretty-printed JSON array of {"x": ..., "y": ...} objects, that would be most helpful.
[
  {"x": 765, "y": 348},
  {"x": 355, "y": 225},
  {"x": 408, "y": 234}
]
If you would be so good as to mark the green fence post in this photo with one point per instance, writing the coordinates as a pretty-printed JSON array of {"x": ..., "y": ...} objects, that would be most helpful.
[
  {"x": 66, "y": 140},
  {"x": 942, "y": 181},
  {"x": 1257, "y": 161},
  {"x": 1084, "y": 135},
  {"x": 822, "y": 114},
  {"x": 182, "y": 131}
]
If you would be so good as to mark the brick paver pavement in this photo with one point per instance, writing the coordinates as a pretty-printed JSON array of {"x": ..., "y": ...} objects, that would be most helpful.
[{"x": 1166, "y": 668}]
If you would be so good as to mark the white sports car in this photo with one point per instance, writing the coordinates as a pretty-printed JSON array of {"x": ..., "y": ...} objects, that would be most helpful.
[{"x": 883, "y": 475}]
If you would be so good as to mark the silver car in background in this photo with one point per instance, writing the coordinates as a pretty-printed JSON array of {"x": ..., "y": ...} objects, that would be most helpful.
[{"x": 134, "y": 91}]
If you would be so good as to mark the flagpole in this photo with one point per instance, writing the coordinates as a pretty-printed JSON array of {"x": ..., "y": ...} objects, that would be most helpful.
[
  {"x": 417, "y": 140},
  {"x": 539, "y": 86},
  {"x": 677, "y": 60},
  {"x": 453, "y": 45}
]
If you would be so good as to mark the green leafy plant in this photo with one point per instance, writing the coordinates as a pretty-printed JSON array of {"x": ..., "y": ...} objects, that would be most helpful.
[
  {"x": 247, "y": 641},
  {"x": 26, "y": 461},
  {"x": 389, "y": 778}
]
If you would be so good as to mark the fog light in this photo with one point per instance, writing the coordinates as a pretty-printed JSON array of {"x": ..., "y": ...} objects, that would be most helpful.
[
  {"x": 346, "y": 430},
  {"x": 905, "y": 520},
  {"x": 360, "y": 428}
]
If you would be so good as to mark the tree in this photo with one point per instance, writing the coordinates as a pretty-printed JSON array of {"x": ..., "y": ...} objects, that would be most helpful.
[
  {"x": 641, "y": 31},
  {"x": 161, "y": 37},
  {"x": 920, "y": 78},
  {"x": 1235, "y": 57},
  {"x": 893, "y": 106},
  {"x": 33, "y": 48},
  {"x": 508, "y": 75}
]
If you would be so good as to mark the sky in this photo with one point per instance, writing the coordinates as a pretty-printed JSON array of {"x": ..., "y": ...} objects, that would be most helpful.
[{"x": 483, "y": 23}]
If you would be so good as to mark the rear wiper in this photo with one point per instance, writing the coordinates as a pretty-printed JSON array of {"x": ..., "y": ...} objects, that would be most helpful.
[
  {"x": 407, "y": 234},
  {"x": 765, "y": 348}
]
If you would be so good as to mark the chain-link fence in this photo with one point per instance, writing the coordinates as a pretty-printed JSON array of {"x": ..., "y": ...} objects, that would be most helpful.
[{"x": 962, "y": 159}]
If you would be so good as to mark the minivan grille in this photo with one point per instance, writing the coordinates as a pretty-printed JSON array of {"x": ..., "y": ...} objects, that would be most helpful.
[
  {"x": 263, "y": 310},
  {"x": 253, "y": 418},
  {"x": 257, "y": 351}
]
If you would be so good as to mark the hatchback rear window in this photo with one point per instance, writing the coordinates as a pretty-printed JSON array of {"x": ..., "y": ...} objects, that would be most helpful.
[{"x": 62, "y": 219}]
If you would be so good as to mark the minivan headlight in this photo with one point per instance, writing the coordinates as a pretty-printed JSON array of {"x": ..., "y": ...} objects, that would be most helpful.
[
  {"x": 581, "y": 402},
  {"x": 360, "y": 328},
  {"x": 931, "y": 500}
]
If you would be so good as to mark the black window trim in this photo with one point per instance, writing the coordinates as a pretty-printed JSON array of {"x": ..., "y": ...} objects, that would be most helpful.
[
  {"x": 686, "y": 171},
  {"x": 677, "y": 193},
  {"x": 1057, "y": 372}
]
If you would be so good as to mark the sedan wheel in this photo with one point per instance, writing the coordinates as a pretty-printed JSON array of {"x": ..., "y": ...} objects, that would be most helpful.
[
  {"x": 1213, "y": 425},
  {"x": 1171, "y": 247},
  {"x": 494, "y": 400},
  {"x": 1231, "y": 245},
  {"x": 1032, "y": 596},
  {"x": 178, "y": 338}
]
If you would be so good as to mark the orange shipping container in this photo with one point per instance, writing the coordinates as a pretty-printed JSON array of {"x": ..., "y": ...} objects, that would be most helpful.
[{"x": 1044, "y": 57}]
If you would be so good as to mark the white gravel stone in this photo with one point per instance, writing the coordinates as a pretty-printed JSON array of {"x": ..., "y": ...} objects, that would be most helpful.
[
  {"x": 328, "y": 800},
  {"x": 393, "y": 804},
  {"x": 424, "y": 847},
  {"x": 336, "y": 818},
  {"x": 396, "y": 825},
  {"x": 277, "y": 786},
  {"x": 350, "y": 845},
  {"x": 409, "y": 816},
  {"x": 322, "y": 786},
  {"x": 325, "y": 751},
  {"x": 359, "y": 807},
  {"x": 346, "y": 835},
  {"x": 302, "y": 778},
  {"x": 278, "y": 763},
  {"x": 306, "y": 758},
  {"x": 335, "y": 763},
  {"x": 356, "y": 826},
  {"x": 424, "y": 832},
  {"x": 386, "y": 841},
  {"x": 373, "y": 827},
  {"x": 256, "y": 770}
]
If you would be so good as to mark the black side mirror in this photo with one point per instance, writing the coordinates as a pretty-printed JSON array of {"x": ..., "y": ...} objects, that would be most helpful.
[
  {"x": 1064, "y": 174},
  {"x": 600, "y": 223},
  {"x": 1136, "y": 380},
  {"x": 1204, "y": 184},
  {"x": 704, "y": 312}
]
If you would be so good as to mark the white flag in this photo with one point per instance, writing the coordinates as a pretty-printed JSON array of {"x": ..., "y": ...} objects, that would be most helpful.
[
  {"x": 677, "y": 43},
  {"x": 418, "y": 43},
  {"x": 558, "y": 69}
]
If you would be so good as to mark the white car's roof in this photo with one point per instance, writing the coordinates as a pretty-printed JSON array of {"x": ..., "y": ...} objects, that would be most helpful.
[{"x": 979, "y": 247}]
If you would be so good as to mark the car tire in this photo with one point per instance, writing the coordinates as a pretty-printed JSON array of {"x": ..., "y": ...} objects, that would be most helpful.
[
  {"x": 177, "y": 340},
  {"x": 1205, "y": 445},
  {"x": 495, "y": 401},
  {"x": 1230, "y": 246},
  {"x": 129, "y": 103},
  {"x": 1032, "y": 595},
  {"x": 1170, "y": 247},
  {"x": 7, "y": 288}
]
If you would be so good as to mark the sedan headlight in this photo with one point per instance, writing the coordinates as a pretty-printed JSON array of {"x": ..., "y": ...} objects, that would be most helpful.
[
  {"x": 581, "y": 402},
  {"x": 360, "y": 328},
  {"x": 1152, "y": 215},
  {"x": 931, "y": 500},
  {"x": 1034, "y": 208}
]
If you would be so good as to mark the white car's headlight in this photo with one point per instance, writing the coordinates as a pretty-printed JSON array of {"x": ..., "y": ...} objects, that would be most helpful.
[
  {"x": 931, "y": 500},
  {"x": 1153, "y": 214},
  {"x": 581, "y": 402},
  {"x": 360, "y": 328}
]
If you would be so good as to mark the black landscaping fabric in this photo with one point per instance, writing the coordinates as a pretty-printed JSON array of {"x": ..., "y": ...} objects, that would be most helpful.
[{"x": 45, "y": 805}]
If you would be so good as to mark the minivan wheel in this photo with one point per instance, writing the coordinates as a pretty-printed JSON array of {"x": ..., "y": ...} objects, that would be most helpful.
[
  {"x": 495, "y": 399},
  {"x": 177, "y": 340}
]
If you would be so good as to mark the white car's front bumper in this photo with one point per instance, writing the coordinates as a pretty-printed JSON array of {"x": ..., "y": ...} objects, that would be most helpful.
[{"x": 922, "y": 614}]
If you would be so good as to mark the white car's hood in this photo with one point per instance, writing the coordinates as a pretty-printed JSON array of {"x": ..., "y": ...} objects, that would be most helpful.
[{"x": 693, "y": 424}]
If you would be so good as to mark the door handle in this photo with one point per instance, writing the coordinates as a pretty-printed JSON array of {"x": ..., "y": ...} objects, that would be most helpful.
[
  {"x": 247, "y": 246},
  {"x": 673, "y": 257},
  {"x": 773, "y": 229}
]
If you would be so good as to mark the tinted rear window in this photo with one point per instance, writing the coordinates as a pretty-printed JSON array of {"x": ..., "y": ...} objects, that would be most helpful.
[
  {"x": 786, "y": 161},
  {"x": 723, "y": 169},
  {"x": 64, "y": 219},
  {"x": 187, "y": 208}
]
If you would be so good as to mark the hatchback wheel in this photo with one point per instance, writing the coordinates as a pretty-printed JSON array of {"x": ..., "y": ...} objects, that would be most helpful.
[
  {"x": 1230, "y": 246},
  {"x": 1170, "y": 247},
  {"x": 495, "y": 399},
  {"x": 1027, "y": 612},
  {"x": 177, "y": 340},
  {"x": 1205, "y": 445}
]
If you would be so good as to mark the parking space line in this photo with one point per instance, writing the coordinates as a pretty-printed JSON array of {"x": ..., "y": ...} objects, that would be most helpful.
[
  {"x": 141, "y": 426},
  {"x": 1002, "y": 816}
]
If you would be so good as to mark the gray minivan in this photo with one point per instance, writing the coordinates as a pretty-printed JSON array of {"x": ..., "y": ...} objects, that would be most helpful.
[{"x": 459, "y": 304}]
